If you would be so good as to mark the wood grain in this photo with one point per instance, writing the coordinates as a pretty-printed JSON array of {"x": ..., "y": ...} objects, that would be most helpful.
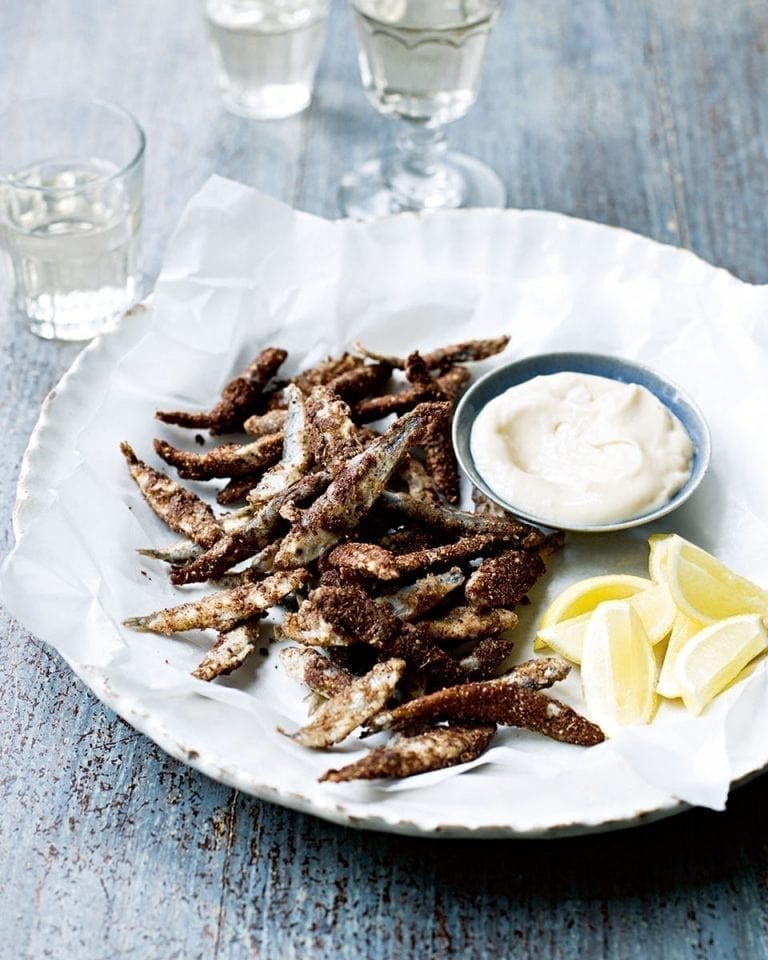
[{"x": 643, "y": 113}]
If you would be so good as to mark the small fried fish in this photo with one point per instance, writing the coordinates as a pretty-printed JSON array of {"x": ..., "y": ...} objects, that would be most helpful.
[
  {"x": 353, "y": 491},
  {"x": 222, "y": 610},
  {"x": 503, "y": 701},
  {"x": 230, "y": 651},
  {"x": 182, "y": 510},
  {"x": 406, "y": 756},
  {"x": 321, "y": 675},
  {"x": 352, "y": 706},
  {"x": 420, "y": 597},
  {"x": 227, "y": 460},
  {"x": 296, "y": 456},
  {"x": 239, "y": 397}
]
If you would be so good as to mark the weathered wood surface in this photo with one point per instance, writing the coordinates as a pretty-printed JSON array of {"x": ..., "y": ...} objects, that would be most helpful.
[{"x": 643, "y": 113}]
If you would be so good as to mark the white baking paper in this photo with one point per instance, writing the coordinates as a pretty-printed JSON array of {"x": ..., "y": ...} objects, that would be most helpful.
[{"x": 243, "y": 271}]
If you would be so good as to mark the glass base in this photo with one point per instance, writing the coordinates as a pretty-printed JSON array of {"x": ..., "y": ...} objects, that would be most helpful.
[
  {"x": 78, "y": 316},
  {"x": 372, "y": 190},
  {"x": 270, "y": 102}
]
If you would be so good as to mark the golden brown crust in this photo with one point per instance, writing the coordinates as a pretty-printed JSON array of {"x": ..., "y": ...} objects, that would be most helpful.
[
  {"x": 226, "y": 460},
  {"x": 239, "y": 398},
  {"x": 182, "y": 510},
  {"x": 498, "y": 701},
  {"x": 406, "y": 756}
]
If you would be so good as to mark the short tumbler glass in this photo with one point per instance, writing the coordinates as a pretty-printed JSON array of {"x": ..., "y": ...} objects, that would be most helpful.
[
  {"x": 70, "y": 213},
  {"x": 266, "y": 53}
]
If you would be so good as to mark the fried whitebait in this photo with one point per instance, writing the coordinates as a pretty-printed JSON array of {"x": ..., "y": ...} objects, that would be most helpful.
[
  {"x": 351, "y": 706},
  {"x": 222, "y": 610},
  {"x": 406, "y": 756},
  {"x": 239, "y": 398},
  {"x": 182, "y": 510}
]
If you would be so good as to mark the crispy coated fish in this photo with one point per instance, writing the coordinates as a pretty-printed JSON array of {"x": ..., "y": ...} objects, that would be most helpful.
[
  {"x": 182, "y": 510},
  {"x": 262, "y": 424},
  {"x": 320, "y": 674},
  {"x": 230, "y": 651},
  {"x": 450, "y": 520},
  {"x": 297, "y": 454},
  {"x": 503, "y": 701},
  {"x": 222, "y": 610},
  {"x": 352, "y": 614},
  {"x": 358, "y": 382},
  {"x": 489, "y": 654},
  {"x": 183, "y": 551},
  {"x": 420, "y": 597},
  {"x": 503, "y": 581},
  {"x": 464, "y": 623},
  {"x": 351, "y": 706},
  {"x": 334, "y": 438},
  {"x": 418, "y": 480},
  {"x": 227, "y": 460},
  {"x": 464, "y": 352},
  {"x": 406, "y": 756},
  {"x": 253, "y": 536},
  {"x": 239, "y": 398},
  {"x": 376, "y": 561},
  {"x": 352, "y": 493}
]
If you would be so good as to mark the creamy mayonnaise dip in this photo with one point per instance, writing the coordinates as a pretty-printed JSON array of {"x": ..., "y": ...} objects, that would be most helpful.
[{"x": 575, "y": 449}]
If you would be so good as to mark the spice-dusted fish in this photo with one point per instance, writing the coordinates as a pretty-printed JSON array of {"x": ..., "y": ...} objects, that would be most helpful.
[
  {"x": 333, "y": 436},
  {"x": 356, "y": 617},
  {"x": 406, "y": 756},
  {"x": 376, "y": 561},
  {"x": 420, "y": 597},
  {"x": 451, "y": 520},
  {"x": 464, "y": 623},
  {"x": 183, "y": 551},
  {"x": 503, "y": 701},
  {"x": 351, "y": 706},
  {"x": 181, "y": 509},
  {"x": 321, "y": 675},
  {"x": 230, "y": 651},
  {"x": 262, "y": 424},
  {"x": 353, "y": 491},
  {"x": 464, "y": 352},
  {"x": 227, "y": 460},
  {"x": 239, "y": 398},
  {"x": 222, "y": 610},
  {"x": 297, "y": 454},
  {"x": 256, "y": 534}
]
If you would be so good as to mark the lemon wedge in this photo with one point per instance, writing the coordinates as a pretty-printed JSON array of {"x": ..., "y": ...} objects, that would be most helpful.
[
  {"x": 682, "y": 630},
  {"x": 566, "y": 637},
  {"x": 659, "y": 544},
  {"x": 715, "y": 656},
  {"x": 584, "y": 595},
  {"x": 654, "y": 606},
  {"x": 618, "y": 668},
  {"x": 704, "y": 588}
]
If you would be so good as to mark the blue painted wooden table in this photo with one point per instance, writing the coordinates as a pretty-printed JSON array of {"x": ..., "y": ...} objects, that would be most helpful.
[{"x": 642, "y": 113}]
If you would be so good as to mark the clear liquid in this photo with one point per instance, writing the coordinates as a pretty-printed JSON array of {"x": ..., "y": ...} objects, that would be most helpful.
[
  {"x": 266, "y": 52},
  {"x": 74, "y": 250},
  {"x": 421, "y": 60}
]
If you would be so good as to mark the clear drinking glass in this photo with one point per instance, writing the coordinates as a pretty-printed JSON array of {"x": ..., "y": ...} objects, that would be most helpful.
[
  {"x": 266, "y": 53},
  {"x": 420, "y": 62},
  {"x": 70, "y": 213}
]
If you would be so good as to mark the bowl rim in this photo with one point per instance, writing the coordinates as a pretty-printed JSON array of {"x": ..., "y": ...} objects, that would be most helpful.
[{"x": 560, "y": 359}]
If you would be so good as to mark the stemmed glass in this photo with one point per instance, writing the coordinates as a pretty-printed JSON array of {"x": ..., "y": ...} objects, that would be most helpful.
[{"x": 420, "y": 62}]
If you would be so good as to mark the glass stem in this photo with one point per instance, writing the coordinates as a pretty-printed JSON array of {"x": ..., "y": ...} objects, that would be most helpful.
[{"x": 419, "y": 175}]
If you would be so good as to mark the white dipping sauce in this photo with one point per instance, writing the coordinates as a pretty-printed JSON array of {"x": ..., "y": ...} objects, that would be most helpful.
[{"x": 576, "y": 450}]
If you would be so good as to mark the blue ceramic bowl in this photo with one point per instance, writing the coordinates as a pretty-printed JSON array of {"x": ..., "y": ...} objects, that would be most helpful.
[{"x": 625, "y": 371}]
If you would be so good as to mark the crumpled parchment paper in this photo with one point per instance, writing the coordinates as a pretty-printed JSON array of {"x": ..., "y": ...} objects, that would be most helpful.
[{"x": 243, "y": 271}]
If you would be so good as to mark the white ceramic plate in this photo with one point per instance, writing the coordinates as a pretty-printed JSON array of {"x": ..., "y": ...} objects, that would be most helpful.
[{"x": 553, "y": 282}]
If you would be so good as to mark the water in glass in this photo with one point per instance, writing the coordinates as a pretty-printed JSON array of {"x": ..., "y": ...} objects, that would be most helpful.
[
  {"x": 73, "y": 240},
  {"x": 266, "y": 52},
  {"x": 421, "y": 60}
]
